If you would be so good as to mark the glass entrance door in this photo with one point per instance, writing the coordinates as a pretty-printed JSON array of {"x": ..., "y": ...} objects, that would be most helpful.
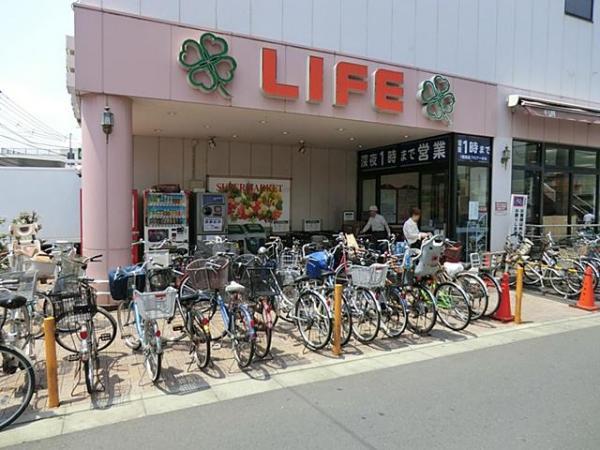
[{"x": 398, "y": 194}]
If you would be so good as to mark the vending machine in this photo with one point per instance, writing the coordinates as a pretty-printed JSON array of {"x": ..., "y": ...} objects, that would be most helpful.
[
  {"x": 166, "y": 217},
  {"x": 211, "y": 215}
]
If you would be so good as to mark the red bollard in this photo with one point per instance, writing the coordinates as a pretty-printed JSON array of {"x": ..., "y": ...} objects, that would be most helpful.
[{"x": 504, "y": 313}]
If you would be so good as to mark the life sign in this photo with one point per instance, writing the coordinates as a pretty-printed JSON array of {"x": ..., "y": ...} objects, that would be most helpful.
[{"x": 348, "y": 78}]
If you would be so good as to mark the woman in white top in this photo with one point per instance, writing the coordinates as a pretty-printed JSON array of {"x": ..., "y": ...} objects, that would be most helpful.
[{"x": 411, "y": 229}]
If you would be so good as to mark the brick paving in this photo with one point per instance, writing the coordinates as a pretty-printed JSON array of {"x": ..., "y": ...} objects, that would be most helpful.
[{"x": 123, "y": 374}]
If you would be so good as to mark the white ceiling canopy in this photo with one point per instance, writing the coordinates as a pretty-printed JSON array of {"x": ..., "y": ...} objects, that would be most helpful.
[{"x": 202, "y": 121}]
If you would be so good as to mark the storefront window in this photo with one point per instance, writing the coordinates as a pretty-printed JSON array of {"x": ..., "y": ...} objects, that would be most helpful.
[
  {"x": 473, "y": 199},
  {"x": 528, "y": 182},
  {"x": 584, "y": 198},
  {"x": 399, "y": 193},
  {"x": 526, "y": 153},
  {"x": 434, "y": 201},
  {"x": 556, "y": 201},
  {"x": 556, "y": 156},
  {"x": 585, "y": 159},
  {"x": 369, "y": 191}
]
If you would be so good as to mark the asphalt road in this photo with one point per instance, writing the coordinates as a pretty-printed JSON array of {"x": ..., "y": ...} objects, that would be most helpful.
[{"x": 540, "y": 393}]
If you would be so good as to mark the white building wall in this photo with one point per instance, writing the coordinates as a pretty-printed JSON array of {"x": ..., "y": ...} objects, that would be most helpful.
[{"x": 530, "y": 44}]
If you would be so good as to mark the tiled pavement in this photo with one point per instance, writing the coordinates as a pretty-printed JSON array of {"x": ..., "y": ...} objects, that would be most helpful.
[{"x": 123, "y": 375}]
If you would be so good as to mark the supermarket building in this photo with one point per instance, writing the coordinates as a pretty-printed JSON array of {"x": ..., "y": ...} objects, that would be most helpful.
[{"x": 324, "y": 95}]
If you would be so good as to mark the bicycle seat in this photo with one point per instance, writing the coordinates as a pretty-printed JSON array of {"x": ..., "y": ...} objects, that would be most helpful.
[
  {"x": 11, "y": 300},
  {"x": 234, "y": 288}
]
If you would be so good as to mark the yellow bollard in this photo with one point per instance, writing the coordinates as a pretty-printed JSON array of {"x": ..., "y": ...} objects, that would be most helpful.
[
  {"x": 337, "y": 320},
  {"x": 51, "y": 366},
  {"x": 519, "y": 294}
]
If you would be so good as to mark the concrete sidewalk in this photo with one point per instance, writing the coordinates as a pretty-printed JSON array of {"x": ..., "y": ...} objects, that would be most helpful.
[{"x": 183, "y": 384}]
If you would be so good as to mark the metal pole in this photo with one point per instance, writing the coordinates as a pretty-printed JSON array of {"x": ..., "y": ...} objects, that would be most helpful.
[
  {"x": 51, "y": 365},
  {"x": 337, "y": 320},
  {"x": 519, "y": 294}
]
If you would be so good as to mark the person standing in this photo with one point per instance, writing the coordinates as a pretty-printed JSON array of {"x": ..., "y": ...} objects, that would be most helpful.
[
  {"x": 411, "y": 229},
  {"x": 377, "y": 224}
]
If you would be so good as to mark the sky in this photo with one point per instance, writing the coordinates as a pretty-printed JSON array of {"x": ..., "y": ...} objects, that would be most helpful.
[{"x": 33, "y": 59}]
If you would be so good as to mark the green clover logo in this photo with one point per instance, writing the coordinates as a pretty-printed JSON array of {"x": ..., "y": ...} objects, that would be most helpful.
[
  {"x": 208, "y": 65},
  {"x": 436, "y": 98}
]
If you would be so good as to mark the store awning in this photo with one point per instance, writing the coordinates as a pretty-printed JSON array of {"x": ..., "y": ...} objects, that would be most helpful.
[{"x": 553, "y": 109}]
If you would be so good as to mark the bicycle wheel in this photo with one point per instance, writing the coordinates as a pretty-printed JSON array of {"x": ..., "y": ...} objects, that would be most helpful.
[
  {"x": 105, "y": 327},
  {"x": 531, "y": 272},
  {"x": 477, "y": 293},
  {"x": 366, "y": 319},
  {"x": 127, "y": 328},
  {"x": 152, "y": 349},
  {"x": 90, "y": 367},
  {"x": 420, "y": 305},
  {"x": 243, "y": 336},
  {"x": 263, "y": 326},
  {"x": 313, "y": 320},
  {"x": 17, "y": 383},
  {"x": 200, "y": 339},
  {"x": 287, "y": 301},
  {"x": 452, "y": 306},
  {"x": 493, "y": 293},
  {"x": 15, "y": 326},
  {"x": 394, "y": 318}
]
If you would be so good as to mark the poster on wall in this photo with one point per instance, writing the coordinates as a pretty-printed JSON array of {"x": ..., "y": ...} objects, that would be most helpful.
[
  {"x": 255, "y": 200},
  {"x": 518, "y": 214}
]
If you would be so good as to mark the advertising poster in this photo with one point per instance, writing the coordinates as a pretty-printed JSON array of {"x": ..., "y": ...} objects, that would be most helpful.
[{"x": 255, "y": 200}]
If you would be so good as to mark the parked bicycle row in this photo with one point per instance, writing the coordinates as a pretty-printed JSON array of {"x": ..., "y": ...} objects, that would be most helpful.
[{"x": 236, "y": 300}]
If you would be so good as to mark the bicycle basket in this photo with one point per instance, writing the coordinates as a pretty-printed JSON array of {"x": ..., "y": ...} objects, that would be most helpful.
[
  {"x": 73, "y": 308},
  {"x": 70, "y": 266},
  {"x": 370, "y": 277},
  {"x": 453, "y": 253},
  {"x": 260, "y": 282},
  {"x": 289, "y": 260},
  {"x": 208, "y": 274},
  {"x": 156, "y": 305},
  {"x": 159, "y": 279},
  {"x": 22, "y": 283},
  {"x": 287, "y": 277}
]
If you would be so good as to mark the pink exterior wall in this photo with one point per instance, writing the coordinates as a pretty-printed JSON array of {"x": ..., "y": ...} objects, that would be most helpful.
[
  {"x": 107, "y": 180},
  {"x": 128, "y": 56}
]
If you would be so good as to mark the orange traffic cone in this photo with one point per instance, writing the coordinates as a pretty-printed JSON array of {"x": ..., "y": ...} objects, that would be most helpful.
[
  {"x": 586, "y": 298},
  {"x": 504, "y": 314}
]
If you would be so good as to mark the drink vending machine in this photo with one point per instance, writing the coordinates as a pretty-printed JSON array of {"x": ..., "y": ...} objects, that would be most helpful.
[{"x": 166, "y": 217}]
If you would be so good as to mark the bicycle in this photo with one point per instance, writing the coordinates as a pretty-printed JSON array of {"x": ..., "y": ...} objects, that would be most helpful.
[
  {"x": 17, "y": 376},
  {"x": 211, "y": 277}
]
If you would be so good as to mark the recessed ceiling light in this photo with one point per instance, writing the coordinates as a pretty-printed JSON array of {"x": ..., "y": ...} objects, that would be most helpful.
[
  {"x": 206, "y": 126},
  {"x": 157, "y": 130},
  {"x": 360, "y": 146},
  {"x": 351, "y": 138},
  {"x": 406, "y": 136},
  {"x": 171, "y": 113},
  {"x": 285, "y": 132},
  {"x": 234, "y": 136},
  {"x": 341, "y": 129},
  {"x": 262, "y": 121}
]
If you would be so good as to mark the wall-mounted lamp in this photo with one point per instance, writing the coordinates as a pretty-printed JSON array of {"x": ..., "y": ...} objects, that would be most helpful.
[
  {"x": 212, "y": 144},
  {"x": 302, "y": 148},
  {"x": 108, "y": 121},
  {"x": 505, "y": 156}
]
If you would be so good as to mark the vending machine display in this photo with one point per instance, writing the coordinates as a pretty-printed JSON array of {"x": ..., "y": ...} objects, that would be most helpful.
[
  {"x": 211, "y": 215},
  {"x": 166, "y": 217}
]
